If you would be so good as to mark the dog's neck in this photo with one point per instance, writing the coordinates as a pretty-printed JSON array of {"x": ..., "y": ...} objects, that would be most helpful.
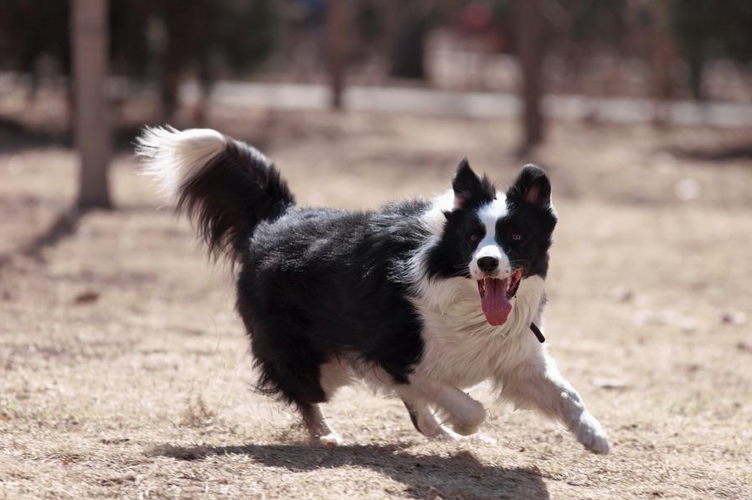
[{"x": 457, "y": 303}]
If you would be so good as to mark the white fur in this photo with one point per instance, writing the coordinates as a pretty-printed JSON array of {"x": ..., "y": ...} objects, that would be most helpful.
[
  {"x": 171, "y": 156},
  {"x": 488, "y": 246}
]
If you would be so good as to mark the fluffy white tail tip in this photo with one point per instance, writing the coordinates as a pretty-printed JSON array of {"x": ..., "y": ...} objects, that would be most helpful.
[{"x": 172, "y": 156}]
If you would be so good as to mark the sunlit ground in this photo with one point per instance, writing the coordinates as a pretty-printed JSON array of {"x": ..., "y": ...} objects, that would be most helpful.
[{"x": 124, "y": 370}]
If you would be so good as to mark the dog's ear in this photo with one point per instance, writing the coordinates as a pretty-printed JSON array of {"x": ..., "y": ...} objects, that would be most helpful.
[
  {"x": 531, "y": 186},
  {"x": 468, "y": 186}
]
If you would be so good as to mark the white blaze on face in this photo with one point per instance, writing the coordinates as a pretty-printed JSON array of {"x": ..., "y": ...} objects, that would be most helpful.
[{"x": 488, "y": 247}]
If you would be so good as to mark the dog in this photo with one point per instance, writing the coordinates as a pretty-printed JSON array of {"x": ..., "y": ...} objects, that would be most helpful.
[{"x": 421, "y": 299}]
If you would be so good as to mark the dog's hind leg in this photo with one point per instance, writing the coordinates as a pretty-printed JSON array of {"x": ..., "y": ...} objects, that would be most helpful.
[
  {"x": 334, "y": 374},
  {"x": 290, "y": 365},
  {"x": 317, "y": 426}
]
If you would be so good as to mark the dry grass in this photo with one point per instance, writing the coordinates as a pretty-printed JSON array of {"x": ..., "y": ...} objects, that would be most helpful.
[{"x": 125, "y": 372}]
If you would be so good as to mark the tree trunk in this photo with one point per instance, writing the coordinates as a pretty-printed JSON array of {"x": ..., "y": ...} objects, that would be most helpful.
[
  {"x": 530, "y": 52},
  {"x": 696, "y": 62},
  {"x": 408, "y": 45},
  {"x": 92, "y": 129},
  {"x": 336, "y": 49},
  {"x": 661, "y": 59}
]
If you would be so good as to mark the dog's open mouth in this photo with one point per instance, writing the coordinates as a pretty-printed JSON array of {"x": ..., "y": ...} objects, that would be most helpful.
[{"x": 495, "y": 296}]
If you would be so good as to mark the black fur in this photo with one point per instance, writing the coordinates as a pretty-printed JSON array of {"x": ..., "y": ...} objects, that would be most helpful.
[
  {"x": 413, "y": 413},
  {"x": 230, "y": 195},
  {"x": 470, "y": 191},
  {"x": 319, "y": 283},
  {"x": 532, "y": 217}
]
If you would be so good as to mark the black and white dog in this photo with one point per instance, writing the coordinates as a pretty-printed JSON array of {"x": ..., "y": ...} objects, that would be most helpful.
[{"x": 421, "y": 299}]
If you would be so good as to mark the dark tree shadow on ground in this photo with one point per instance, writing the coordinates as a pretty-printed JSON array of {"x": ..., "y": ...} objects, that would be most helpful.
[
  {"x": 741, "y": 151},
  {"x": 63, "y": 226},
  {"x": 459, "y": 476},
  {"x": 16, "y": 137}
]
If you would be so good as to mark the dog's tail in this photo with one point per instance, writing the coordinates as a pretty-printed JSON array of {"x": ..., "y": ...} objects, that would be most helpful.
[{"x": 225, "y": 186}]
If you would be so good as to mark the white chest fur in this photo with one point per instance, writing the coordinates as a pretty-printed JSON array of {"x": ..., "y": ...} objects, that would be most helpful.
[{"x": 460, "y": 347}]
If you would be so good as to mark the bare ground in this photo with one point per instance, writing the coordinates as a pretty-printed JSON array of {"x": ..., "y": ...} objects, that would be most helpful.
[{"x": 125, "y": 372}]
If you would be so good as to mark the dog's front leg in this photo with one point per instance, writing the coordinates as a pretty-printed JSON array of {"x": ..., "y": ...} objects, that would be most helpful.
[
  {"x": 425, "y": 421},
  {"x": 537, "y": 383},
  {"x": 462, "y": 412}
]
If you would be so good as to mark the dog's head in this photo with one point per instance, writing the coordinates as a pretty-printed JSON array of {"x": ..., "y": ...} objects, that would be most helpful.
[{"x": 494, "y": 238}]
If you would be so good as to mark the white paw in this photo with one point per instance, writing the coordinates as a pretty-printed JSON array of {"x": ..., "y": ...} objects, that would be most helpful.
[
  {"x": 465, "y": 430},
  {"x": 451, "y": 436},
  {"x": 331, "y": 439},
  {"x": 590, "y": 433},
  {"x": 468, "y": 423},
  {"x": 445, "y": 434},
  {"x": 484, "y": 439},
  {"x": 432, "y": 429}
]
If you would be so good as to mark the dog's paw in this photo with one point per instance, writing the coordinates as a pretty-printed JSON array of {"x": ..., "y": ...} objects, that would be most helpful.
[
  {"x": 331, "y": 439},
  {"x": 482, "y": 438},
  {"x": 432, "y": 429},
  {"x": 465, "y": 430},
  {"x": 591, "y": 435},
  {"x": 472, "y": 417},
  {"x": 476, "y": 438},
  {"x": 447, "y": 435}
]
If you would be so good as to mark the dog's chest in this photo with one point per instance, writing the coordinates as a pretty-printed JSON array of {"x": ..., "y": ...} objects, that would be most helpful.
[{"x": 462, "y": 349}]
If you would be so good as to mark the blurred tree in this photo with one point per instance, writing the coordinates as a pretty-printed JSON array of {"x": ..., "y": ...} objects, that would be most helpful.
[
  {"x": 709, "y": 29},
  {"x": 159, "y": 41},
  {"x": 29, "y": 32},
  {"x": 92, "y": 131},
  {"x": 178, "y": 38},
  {"x": 596, "y": 21},
  {"x": 662, "y": 55},
  {"x": 336, "y": 26},
  {"x": 530, "y": 36},
  {"x": 408, "y": 26}
]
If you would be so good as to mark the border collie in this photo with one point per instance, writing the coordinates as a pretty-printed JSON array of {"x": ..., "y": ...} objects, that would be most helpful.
[{"x": 421, "y": 299}]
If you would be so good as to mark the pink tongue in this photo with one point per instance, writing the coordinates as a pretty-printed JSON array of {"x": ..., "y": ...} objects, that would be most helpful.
[{"x": 495, "y": 304}]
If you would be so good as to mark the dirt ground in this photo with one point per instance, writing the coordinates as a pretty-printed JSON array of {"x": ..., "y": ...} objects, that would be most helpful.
[{"x": 126, "y": 373}]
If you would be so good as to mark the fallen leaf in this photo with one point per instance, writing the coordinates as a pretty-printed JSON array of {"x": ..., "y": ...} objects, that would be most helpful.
[
  {"x": 737, "y": 318},
  {"x": 86, "y": 297},
  {"x": 622, "y": 294},
  {"x": 610, "y": 384}
]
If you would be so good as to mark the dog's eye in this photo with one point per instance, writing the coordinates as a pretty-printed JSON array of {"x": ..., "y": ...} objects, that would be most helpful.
[
  {"x": 516, "y": 237},
  {"x": 475, "y": 237}
]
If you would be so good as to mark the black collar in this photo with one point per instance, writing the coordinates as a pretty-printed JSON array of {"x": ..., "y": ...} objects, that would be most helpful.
[
  {"x": 533, "y": 326},
  {"x": 537, "y": 332}
]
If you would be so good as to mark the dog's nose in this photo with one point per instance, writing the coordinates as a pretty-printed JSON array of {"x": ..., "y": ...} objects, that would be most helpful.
[{"x": 488, "y": 264}]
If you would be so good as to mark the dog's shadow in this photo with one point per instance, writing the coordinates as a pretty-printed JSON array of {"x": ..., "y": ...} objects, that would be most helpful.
[{"x": 457, "y": 476}]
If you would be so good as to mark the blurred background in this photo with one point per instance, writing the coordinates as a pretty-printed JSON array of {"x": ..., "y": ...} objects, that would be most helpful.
[
  {"x": 114, "y": 330},
  {"x": 664, "y": 62}
]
